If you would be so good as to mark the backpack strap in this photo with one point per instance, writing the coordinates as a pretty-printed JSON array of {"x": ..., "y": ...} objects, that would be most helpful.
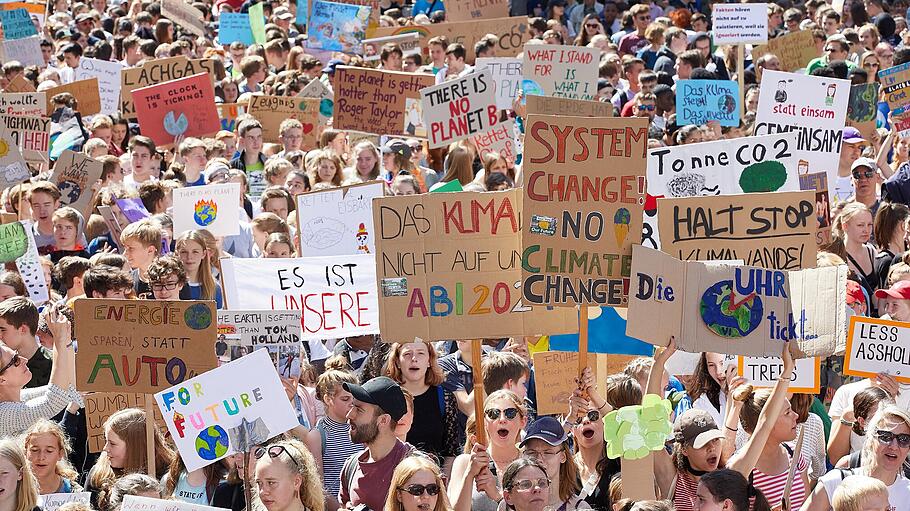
[{"x": 348, "y": 470}]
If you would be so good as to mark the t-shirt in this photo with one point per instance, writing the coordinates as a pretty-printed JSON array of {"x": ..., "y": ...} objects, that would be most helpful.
[
  {"x": 684, "y": 492},
  {"x": 371, "y": 480},
  {"x": 843, "y": 188},
  {"x": 773, "y": 485},
  {"x": 185, "y": 492},
  {"x": 142, "y": 289},
  {"x": 255, "y": 174},
  {"x": 40, "y": 365},
  {"x": 631, "y": 43}
]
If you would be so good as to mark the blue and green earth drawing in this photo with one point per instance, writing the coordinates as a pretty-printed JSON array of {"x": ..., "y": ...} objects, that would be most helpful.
[{"x": 728, "y": 315}]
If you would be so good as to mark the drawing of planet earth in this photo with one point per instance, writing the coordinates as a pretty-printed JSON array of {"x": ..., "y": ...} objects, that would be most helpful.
[
  {"x": 198, "y": 316},
  {"x": 70, "y": 191},
  {"x": 212, "y": 443},
  {"x": 716, "y": 312}
]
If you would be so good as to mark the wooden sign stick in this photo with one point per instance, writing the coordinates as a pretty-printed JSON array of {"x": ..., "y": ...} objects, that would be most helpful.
[
  {"x": 785, "y": 500},
  {"x": 582, "y": 344},
  {"x": 476, "y": 352},
  {"x": 740, "y": 77},
  {"x": 150, "y": 436}
]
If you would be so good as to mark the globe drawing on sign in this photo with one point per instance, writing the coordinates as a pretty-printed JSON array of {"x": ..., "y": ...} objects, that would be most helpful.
[
  {"x": 212, "y": 443},
  {"x": 69, "y": 191},
  {"x": 532, "y": 88},
  {"x": 729, "y": 315},
  {"x": 205, "y": 212},
  {"x": 198, "y": 316}
]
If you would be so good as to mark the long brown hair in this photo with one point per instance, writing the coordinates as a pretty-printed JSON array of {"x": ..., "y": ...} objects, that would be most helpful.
[
  {"x": 460, "y": 161},
  {"x": 703, "y": 383}
]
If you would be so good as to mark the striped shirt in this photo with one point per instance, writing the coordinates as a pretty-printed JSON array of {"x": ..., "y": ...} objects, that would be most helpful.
[
  {"x": 772, "y": 486},
  {"x": 684, "y": 492},
  {"x": 336, "y": 449}
]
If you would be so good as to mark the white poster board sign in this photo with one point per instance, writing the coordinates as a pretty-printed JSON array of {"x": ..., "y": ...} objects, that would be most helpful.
[
  {"x": 338, "y": 221},
  {"x": 460, "y": 108},
  {"x": 764, "y": 372},
  {"x": 259, "y": 327},
  {"x": 215, "y": 208},
  {"x": 878, "y": 346},
  {"x": 52, "y": 501},
  {"x": 108, "y": 75},
  {"x": 506, "y": 75},
  {"x": 739, "y": 24},
  {"x": 560, "y": 71}
]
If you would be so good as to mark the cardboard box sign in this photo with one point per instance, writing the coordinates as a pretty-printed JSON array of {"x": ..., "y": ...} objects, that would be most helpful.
[
  {"x": 375, "y": 101},
  {"x": 794, "y": 50},
  {"x": 571, "y": 107},
  {"x": 101, "y": 405},
  {"x": 737, "y": 310}
]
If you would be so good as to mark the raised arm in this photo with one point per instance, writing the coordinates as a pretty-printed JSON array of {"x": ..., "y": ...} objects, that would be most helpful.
[{"x": 656, "y": 376}]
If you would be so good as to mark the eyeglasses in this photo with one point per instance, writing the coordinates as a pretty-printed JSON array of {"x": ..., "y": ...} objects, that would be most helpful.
[
  {"x": 530, "y": 484},
  {"x": 867, "y": 174},
  {"x": 170, "y": 286},
  {"x": 886, "y": 437},
  {"x": 417, "y": 490},
  {"x": 592, "y": 416},
  {"x": 14, "y": 362},
  {"x": 871, "y": 64},
  {"x": 647, "y": 108},
  {"x": 643, "y": 18},
  {"x": 494, "y": 413},
  {"x": 591, "y": 25},
  {"x": 830, "y": 49},
  {"x": 274, "y": 452}
]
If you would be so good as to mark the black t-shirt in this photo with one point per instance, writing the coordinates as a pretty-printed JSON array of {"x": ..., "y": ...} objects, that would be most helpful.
[
  {"x": 428, "y": 433},
  {"x": 143, "y": 289},
  {"x": 40, "y": 366}
]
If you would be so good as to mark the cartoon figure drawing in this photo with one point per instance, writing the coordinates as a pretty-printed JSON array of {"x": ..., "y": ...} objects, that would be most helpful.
[{"x": 362, "y": 236}]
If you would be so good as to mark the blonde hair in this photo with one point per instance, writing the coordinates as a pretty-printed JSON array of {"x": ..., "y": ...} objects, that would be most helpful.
[
  {"x": 330, "y": 381},
  {"x": 302, "y": 464},
  {"x": 838, "y": 235},
  {"x": 886, "y": 414},
  {"x": 143, "y": 231},
  {"x": 853, "y": 491},
  {"x": 42, "y": 426},
  {"x": 27, "y": 488},
  {"x": 404, "y": 471},
  {"x": 897, "y": 272}
]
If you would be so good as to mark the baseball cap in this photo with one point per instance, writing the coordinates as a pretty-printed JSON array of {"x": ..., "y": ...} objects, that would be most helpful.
[
  {"x": 900, "y": 290},
  {"x": 696, "y": 427},
  {"x": 547, "y": 429},
  {"x": 84, "y": 17},
  {"x": 283, "y": 13},
  {"x": 852, "y": 135},
  {"x": 382, "y": 392},
  {"x": 396, "y": 146},
  {"x": 855, "y": 293},
  {"x": 863, "y": 162},
  {"x": 332, "y": 64}
]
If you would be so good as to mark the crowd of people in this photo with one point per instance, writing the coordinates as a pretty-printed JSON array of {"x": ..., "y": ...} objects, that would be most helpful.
[{"x": 393, "y": 426}]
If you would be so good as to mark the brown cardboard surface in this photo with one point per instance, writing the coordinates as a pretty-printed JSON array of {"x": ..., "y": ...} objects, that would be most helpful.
[
  {"x": 271, "y": 111},
  {"x": 374, "y": 101},
  {"x": 513, "y": 33},
  {"x": 101, "y": 405},
  {"x": 75, "y": 173},
  {"x": 85, "y": 91},
  {"x": 544, "y": 105}
]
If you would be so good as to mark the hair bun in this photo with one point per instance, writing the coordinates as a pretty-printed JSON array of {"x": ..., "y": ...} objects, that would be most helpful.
[{"x": 742, "y": 392}]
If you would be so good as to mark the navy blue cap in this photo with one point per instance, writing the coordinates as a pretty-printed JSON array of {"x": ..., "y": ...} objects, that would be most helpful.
[{"x": 547, "y": 429}]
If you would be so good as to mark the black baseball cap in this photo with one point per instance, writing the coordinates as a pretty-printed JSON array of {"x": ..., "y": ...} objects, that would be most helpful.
[{"x": 382, "y": 392}]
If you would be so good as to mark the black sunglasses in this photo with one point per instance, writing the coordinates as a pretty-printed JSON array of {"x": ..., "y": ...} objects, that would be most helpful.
[
  {"x": 868, "y": 174},
  {"x": 886, "y": 437},
  {"x": 494, "y": 413},
  {"x": 274, "y": 452},
  {"x": 13, "y": 362},
  {"x": 592, "y": 416},
  {"x": 418, "y": 489}
]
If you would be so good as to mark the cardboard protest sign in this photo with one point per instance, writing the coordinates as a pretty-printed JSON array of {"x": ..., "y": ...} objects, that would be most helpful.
[
  {"x": 572, "y": 107},
  {"x": 476, "y": 10},
  {"x": 31, "y": 135},
  {"x": 862, "y": 108},
  {"x": 179, "y": 108},
  {"x": 763, "y": 372},
  {"x": 337, "y": 295},
  {"x": 560, "y": 71},
  {"x": 701, "y": 101},
  {"x": 108, "y": 75},
  {"x": 142, "y": 346},
  {"x": 52, "y": 501},
  {"x": 449, "y": 268},
  {"x": 85, "y": 91},
  {"x": 372, "y": 48},
  {"x": 768, "y": 230},
  {"x": 17, "y": 24},
  {"x": 19, "y": 84},
  {"x": 584, "y": 186},
  {"x": 337, "y": 26},
  {"x": 136, "y": 503},
  {"x": 215, "y": 208},
  {"x": 26, "y": 50},
  {"x": 163, "y": 70},
  {"x": 13, "y": 169},
  {"x": 74, "y": 174},
  {"x": 374, "y": 101},
  {"x": 23, "y": 103},
  {"x": 554, "y": 379},
  {"x": 13, "y": 242},
  {"x": 723, "y": 167},
  {"x": 271, "y": 111},
  {"x": 101, "y": 405},
  {"x": 505, "y": 73},
  {"x": 317, "y": 89},
  {"x": 512, "y": 34},
  {"x": 812, "y": 106},
  {"x": 259, "y": 327},
  {"x": 739, "y": 24},
  {"x": 878, "y": 346},
  {"x": 459, "y": 108},
  {"x": 818, "y": 183},
  {"x": 737, "y": 310},
  {"x": 338, "y": 221},
  {"x": 896, "y": 86},
  {"x": 184, "y": 15},
  {"x": 794, "y": 50},
  {"x": 112, "y": 223},
  {"x": 499, "y": 139},
  {"x": 234, "y": 26},
  {"x": 240, "y": 402},
  {"x": 606, "y": 334},
  {"x": 30, "y": 268}
]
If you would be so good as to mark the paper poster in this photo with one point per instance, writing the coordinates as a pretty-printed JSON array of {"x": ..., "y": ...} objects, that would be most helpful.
[
  {"x": 101, "y": 405},
  {"x": 739, "y": 24},
  {"x": 108, "y": 75},
  {"x": 23, "y": 103},
  {"x": 337, "y": 295},
  {"x": 505, "y": 73},
  {"x": 179, "y": 108},
  {"x": 737, "y": 310},
  {"x": 722, "y": 167},
  {"x": 29, "y": 267},
  {"x": 560, "y": 71},
  {"x": 271, "y": 111},
  {"x": 85, "y": 91},
  {"x": 818, "y": 183},
  {"x": 257, "y": 22},
  {"x": 26, "y": 50},
  {"x": 459, "y": 109},
  {"x": 794, "y": 50},
  {"x": 606, "y": 334},
  {"x": 136, "y": 503},
  {"x": 500, "y": 139},
  {"x": 17, "y": 24},
  {"x": 878, "y": 346},
  {"x": 374, "y": 101},
  {"x": 215, "y": 208},
  {"x": 142, "y": 345},
  {"x": 31, "y": 134},
  {"x": 162, "y": 70},
  {"x": 584, "y": 191},
  {"x": 466, "y": 10},
  {"x": 133, "y": 209},
  {"x": 763, "y": 372},
  {"x": 52, "y": 501},
  {"x": 234, "y": 26},
  {"x": 184, "y": 15},
  {"x": 74, "y": 174},
  {"x": 862, "y": 108},
  {"x": 701, "y": 101},
  {"x": 338, "y": 221},
  {"x": 35, "y": 10},
  {"x": 337, "y": 27},
  {"x": 767, "y": 230},
  {"x": 242, "y": 402},
  {"x": 13, "y": 242},
  {"x": 895, "y": 83},
  {"x": 554, "y": 379},
  {"x": 409, "y": 44},
  {"x": 13, "y": 169},
  {"x": 813, "y": 107},
  {"x": 571, "y": 107},
  {"x": 449, "y": 267},
  {"x": 112, "y": 224},
  {"x": 259, "y": 327}
]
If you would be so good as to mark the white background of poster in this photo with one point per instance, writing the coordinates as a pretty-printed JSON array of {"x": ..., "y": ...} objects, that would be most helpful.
[
  {"x": 108, "y": 75},
  {"x": 255, "y": 327},
  {"x": 449, "y": 117},
  {"x": 328, "y": 221},
  {"x": 227, "y": 199},
  {"x": 740, "y": 24},
  {"x": 506, "y": 73},
  {"x": 52, "y": 501},
  {"x": 885, "y": 345},
  {"x": 765, "y": 371}
]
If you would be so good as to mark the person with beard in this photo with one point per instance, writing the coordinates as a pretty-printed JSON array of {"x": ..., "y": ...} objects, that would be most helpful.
[{"x": 365, "y": 478}]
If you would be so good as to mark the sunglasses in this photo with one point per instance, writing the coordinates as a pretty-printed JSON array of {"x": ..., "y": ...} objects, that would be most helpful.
[
  {"x": 274, "y": 452},
  {"x": 417, "y": 490},
  {"x": 530, "y": 484},
  {"x": 494, "y": 413},
  {"x": 886, "y": 437},
  {"x": 868, "y": 174},
  {"x": 647, "y": 108},
  {"x": 592, "y": 416},
  {"x": 591, "y": 25},
  {"x": 14, "y": 362}
]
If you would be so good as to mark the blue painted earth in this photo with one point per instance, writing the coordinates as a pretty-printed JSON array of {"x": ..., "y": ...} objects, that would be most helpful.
[
  {"x": 212, "y": 443},
  {"x": 716, "y": 312}
]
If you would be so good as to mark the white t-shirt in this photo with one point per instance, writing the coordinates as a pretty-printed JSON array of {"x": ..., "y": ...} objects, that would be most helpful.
[
  {"x": 898, "y": 493},
  {"x": 843, "y": 188},
  {"x": 843, "y": 399}
]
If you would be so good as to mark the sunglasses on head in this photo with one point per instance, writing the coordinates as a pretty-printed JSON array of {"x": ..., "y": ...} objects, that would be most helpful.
[
  {"x": 13, "y": 362},
  {"x": 494, "y": 413},
  {"x": 418, "y": 489},
  {"x": 886, "y": 437},
  {"x": 868, "y": 174},
  {"x": 274, "y": 452},
  {"x": 592, "y": 416}
]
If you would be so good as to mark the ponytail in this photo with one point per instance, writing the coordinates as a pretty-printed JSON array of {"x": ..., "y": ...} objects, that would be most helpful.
[{"x": 729, "y": 484}]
